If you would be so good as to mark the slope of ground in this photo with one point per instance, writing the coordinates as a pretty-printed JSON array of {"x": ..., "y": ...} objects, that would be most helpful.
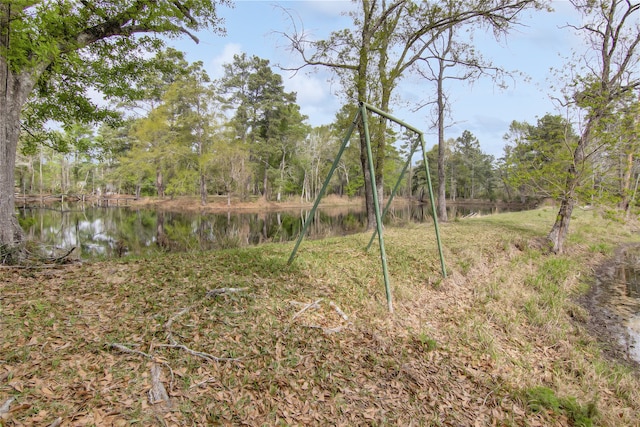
[{"x": 238, "y": 337}]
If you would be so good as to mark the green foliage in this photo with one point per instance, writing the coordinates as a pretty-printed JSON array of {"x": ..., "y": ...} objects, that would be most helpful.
[
  {"x": 543, "y": 398},
  {"x": 537, "y": 158},
  {"x": 92, "y": 49},
  {"x": 354, "y": 186},
  {"x": 267, "y": 119},
  {"x": 470, "y": 172}
]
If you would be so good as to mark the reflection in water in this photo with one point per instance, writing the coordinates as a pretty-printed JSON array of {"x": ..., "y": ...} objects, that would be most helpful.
[
  {"x": 109, "y": 232},
  {"x": 619, "y": 292}
]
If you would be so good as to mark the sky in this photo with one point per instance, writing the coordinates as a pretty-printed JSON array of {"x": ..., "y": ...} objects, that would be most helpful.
[{"x": 541, "y": 44}]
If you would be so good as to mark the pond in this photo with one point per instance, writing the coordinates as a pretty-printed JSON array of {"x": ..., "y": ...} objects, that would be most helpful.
[
  {"x": 99, "y": 232},
  {"x": 617, "y": 294}
]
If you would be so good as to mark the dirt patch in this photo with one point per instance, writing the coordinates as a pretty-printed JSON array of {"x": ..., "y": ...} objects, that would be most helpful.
[{"x": 221, "y": 204}]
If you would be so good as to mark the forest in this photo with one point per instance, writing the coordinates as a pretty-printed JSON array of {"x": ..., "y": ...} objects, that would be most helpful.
[
  {"x": 243, "y": 136},
  {"x": 98, "y": 104},
  {"x": 527, "y": 325}
]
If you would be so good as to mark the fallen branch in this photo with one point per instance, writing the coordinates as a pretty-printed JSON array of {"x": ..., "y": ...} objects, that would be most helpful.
[
  {"x": 327, "y": 330},
  {"x": 6, "y": 406},
  {"x": 305, "y": 308},
  {"x": 157, "y": 393},
  {"x": 167, "y": 325},
  {"x": 200, "y": 354},
  {"x": 220, "y": 291},
  {"x": 56, "y": 422},
  {"x": 201, "y": 383},
  {"x": 299, "y": 313},
  {"x": 340, "y": 312},
  {"x": 125, "y": 349}
]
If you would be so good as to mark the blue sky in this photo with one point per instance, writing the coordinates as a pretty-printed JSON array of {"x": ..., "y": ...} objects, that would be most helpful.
[{"x": 537, "y": 47}]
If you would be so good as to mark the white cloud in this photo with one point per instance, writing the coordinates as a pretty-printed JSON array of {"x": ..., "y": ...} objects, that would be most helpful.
[
  {"x": 314, "y": 95},
  {"x": 225, "y": 57}
]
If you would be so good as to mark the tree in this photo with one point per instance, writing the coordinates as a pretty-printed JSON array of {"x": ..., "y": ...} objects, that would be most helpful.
[
  {"x": 191, "y": 99},
  {"x": 266, "y": 117},
  {"x": 52, "y": 52},
  {"x": 537, "y": 157},
  {"x": 472, "y": 170},
  {"x": 387, "y": 39},
  {"x": 611, "y": 73},
  {"x": 445, "y": 54}
]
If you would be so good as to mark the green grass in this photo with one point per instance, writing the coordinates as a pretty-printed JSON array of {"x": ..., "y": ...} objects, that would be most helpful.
[
  {"x": 540, "y": 399},
  {"x": 500, "y": 340}
]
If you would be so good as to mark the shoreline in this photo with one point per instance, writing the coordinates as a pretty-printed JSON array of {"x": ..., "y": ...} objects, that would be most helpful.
[{"x": 221, "y": 204}]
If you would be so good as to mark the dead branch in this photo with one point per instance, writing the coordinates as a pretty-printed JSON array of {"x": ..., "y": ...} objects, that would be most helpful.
[
  {"x": 167, "y": 326},
  {"x": 220, "y": 291},
  {"x": 299, "y": 313},
  {"x": 201, "y": 354},
  {"x": 4, "y": 409},
  {"x": 327, "y": 331},
  {"x": 340, "y": 312},
  {"x": 201, "y": 383},
  {"x": 157, "y": 393},
  {"x": 56, "y": 422},
  {"x": 125, "y": 349},
  {"x": 305, "y": 308}
]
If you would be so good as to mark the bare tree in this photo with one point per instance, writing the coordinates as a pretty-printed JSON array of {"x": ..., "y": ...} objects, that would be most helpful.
[
  {"x": 445, "y": 54},
  {"x": 386, "y": 40},
  {"x": 612, "y": 30}
]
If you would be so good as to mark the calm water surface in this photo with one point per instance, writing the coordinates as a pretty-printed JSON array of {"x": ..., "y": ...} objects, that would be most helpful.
[
  {"x": 113, "y": 232},
  {"x": 618, "y": 292}
]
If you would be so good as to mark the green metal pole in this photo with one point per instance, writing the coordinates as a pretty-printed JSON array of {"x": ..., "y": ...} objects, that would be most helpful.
[
  {"x": 383, "y": 255},
  {"x": 345, "y": 142},
  {"x": 426, "y": 165},
  {"x": 393, "y": 193},
  {"x": 390, "y": 117},
  {"x": 433, "y": 205}
]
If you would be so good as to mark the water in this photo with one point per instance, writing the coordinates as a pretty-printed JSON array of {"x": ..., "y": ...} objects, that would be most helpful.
[
  {"x": 119, "y": 231},
  {"x": 618, "y": 293}
]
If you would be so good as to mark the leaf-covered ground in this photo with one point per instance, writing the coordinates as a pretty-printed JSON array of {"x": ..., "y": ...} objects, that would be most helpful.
[{"x": 500, "y": 341}]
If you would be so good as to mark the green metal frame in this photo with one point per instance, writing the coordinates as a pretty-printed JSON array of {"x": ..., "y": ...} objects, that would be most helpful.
[{"x": 361, "y": 114}]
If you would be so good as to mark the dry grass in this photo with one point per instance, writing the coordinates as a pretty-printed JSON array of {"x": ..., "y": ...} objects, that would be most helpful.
[{"x": 500, "y": 341}]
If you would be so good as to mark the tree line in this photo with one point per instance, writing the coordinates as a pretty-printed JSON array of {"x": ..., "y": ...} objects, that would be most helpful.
[
  {"x": 244, "y": 135},
  {"x": 241, "y": 136}
]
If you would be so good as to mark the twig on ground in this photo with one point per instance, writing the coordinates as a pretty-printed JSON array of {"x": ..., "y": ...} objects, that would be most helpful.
[
  {"x": 305, "y": 308},
  {"x": 56, "y": 422},
  {"x": 157, "y": 393},
  {"x": 167, "y": 325},
  {"x": 340, "y": 312},
  {"x": 200, "y": 354},
  {"x": 299, "y": 313},
  {"x": 4, "y": 409},
  {"x": 125, "y": 349},
  {"x": 201, "y": 383},
  {"x": 220, "y": 291},
  {"x": 327, "y": 330},
  {"x": 174, "y": 344}
]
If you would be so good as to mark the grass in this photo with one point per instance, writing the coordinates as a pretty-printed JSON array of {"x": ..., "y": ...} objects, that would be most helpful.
[{"x": 500, "y": 341}]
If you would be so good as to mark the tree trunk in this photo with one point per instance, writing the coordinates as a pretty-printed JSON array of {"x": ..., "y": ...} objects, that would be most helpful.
[
  {"x": 368, "y": 190},
  {"x": 159, "y": 183},
  {"x": 558, "y": 233},
  {"x": 265, "y": 181},
  {"x": 442, "y": 183},
  {"x": 626, "y": 182},
  {"x": 203, "y": 190},
  {"x": 14, "y": 90}
]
